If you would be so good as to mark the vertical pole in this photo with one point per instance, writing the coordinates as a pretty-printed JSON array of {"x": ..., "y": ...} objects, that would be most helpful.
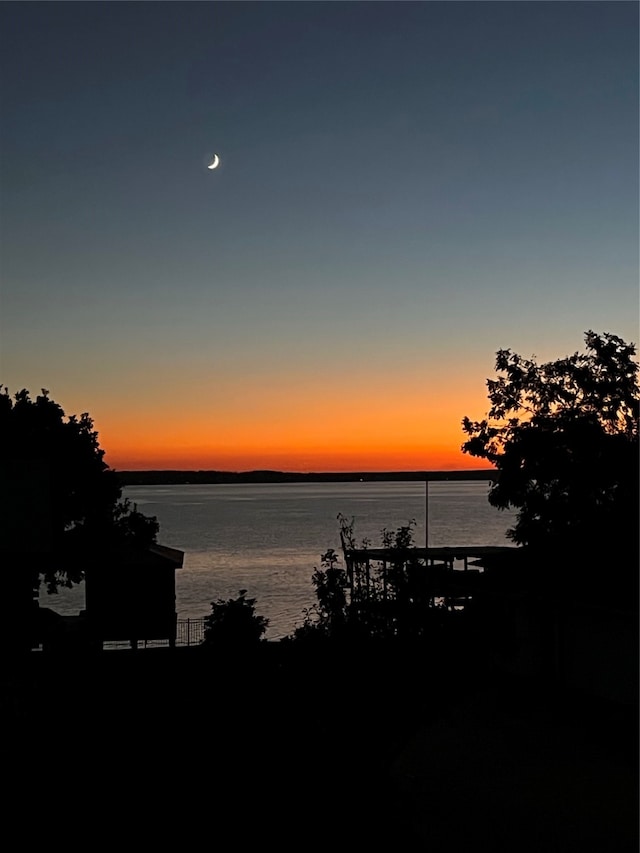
[{"x": 426, "y": 513}]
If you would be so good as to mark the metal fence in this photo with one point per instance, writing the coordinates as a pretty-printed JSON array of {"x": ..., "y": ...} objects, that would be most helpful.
[{"x": 189, "y": 632}]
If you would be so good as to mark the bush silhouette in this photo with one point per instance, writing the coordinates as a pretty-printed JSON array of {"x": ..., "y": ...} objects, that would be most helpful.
[{"x": 234, "y": 623}]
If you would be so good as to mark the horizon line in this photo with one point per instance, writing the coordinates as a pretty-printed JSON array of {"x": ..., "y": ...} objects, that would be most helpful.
[{"x": 303, "y": 473}]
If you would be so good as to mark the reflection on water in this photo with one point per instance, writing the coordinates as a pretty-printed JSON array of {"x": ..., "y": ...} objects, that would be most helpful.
[{"x": 267, "y": 538}]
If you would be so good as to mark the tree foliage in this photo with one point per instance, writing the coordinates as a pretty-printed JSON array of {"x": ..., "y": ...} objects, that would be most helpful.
[
  {"x": 563, "y": 436},
  {"x": 382, "y": 600},
  {"x": 330, "y": 615},
  {"x": 234, "y": 623},
  {"x": 55, "y": 478}
]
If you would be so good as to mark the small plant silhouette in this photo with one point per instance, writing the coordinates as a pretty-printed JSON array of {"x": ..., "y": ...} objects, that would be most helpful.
[
  {"x": 234, "y": 622},
  {"x": 330, "y": 615}
]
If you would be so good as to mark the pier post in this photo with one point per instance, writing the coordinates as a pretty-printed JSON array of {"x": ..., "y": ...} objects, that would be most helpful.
[{"x": 426, "y": 513}]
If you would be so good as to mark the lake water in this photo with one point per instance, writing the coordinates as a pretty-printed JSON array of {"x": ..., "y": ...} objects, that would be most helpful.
[{"x": 267, "y": 538}]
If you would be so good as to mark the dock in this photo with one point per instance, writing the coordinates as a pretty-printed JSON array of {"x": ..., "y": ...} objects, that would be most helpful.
[{"x": 448, "y": 576}]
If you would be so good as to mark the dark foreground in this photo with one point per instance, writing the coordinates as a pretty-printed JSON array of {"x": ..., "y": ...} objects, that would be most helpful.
[{"x": 379, "y": 750}]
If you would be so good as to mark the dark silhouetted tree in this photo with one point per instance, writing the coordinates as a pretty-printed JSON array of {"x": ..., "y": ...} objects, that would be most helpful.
[
  {"x": 61, "y": 503},
  {"x": 234, "y": 623},
  {"x": 563, "y": 436}
]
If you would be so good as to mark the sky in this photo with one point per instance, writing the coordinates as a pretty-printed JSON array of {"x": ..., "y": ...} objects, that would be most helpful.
[{"x": 404, "y": 188}]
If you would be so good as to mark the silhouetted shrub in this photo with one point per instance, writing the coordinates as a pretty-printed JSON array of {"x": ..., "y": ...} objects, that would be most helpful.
[{"x": 234, "y": 623}]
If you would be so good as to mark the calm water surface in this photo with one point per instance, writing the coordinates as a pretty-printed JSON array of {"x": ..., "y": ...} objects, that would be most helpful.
[{"x": 267, "y": 538}]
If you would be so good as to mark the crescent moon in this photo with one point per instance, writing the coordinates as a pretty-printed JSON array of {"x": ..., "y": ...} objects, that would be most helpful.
[{"x": 214, "y": 163}]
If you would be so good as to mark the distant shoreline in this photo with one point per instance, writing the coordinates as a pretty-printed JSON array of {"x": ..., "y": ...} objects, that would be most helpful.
[{"x": 168, "y": 478}]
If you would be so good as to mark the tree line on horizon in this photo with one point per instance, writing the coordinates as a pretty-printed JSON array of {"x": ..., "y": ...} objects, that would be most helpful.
[{"x": 203, "y": 477}]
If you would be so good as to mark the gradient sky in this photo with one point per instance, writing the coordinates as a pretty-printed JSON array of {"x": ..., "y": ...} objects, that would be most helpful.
[{"x": 404, "y": 189}]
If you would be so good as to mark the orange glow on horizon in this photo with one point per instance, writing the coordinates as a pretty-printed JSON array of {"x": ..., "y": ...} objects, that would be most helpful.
[
  {"x": 296, "y": 466},
  {"x": 311, "y": 451},
  {"x": 296, "y": 461},
  {"x": 297, "y": 429}
]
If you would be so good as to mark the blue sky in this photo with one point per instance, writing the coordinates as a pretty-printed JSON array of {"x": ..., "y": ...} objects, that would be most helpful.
[{"x": 404, "y": 188}]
